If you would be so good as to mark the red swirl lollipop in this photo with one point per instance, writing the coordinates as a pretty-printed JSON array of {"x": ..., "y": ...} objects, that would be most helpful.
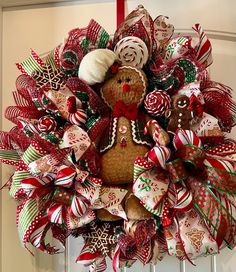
[
  {"x": 47, "y": 124},
  {"x": 157, "y": 102}
]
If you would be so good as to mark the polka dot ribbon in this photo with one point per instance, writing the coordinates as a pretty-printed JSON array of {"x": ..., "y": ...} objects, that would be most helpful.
[{"x": 50, "y": 198}]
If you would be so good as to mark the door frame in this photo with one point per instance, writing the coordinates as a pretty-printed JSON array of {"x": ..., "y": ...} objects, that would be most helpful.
[{"x": 14, "y": 4}]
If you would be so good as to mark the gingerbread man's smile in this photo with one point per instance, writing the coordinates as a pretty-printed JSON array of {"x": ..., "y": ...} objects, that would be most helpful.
[{"x": 182, "y": 106}]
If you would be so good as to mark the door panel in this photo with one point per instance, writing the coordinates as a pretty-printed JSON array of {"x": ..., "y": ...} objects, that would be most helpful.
[{"x": 42, "y": 28}]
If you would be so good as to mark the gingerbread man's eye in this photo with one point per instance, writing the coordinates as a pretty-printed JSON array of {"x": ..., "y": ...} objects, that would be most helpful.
[
  {"x": 185, "y": 101},
  {"x": 127, "y": 79},
  {"x": 179, "y": 102},
  {"x": 119, "y": 81}
]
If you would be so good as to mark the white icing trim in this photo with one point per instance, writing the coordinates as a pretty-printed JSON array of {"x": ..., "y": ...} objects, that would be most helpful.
[
  {"x": 113, "y": 137},
  {"x": 134, "y": 135},
  {"x": 101, "y": 92}
]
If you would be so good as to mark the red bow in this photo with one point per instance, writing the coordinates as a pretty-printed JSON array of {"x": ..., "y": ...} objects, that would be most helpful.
[
  {"x": 121, "y": 109},
  {"x": 195, "y": 105}
]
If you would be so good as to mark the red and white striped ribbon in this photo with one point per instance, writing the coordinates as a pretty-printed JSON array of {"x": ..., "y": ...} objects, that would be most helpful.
[
  {"x": 159, "y": 155},
  {"x": 65, "y": 176},
  {"x": 38, "y": 235},
  {"x": 204, "y": 48},
  {"x": 79, "y": 206},
  {"x": 87, "y": 257},
  {"x": 185, "y": 137},
  {"x": 56, "y": 214}
]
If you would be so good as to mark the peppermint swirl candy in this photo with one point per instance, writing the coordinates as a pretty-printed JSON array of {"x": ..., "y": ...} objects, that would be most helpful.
[
  {"x": 157, "y": 102},
  {"x": 47, "y": 124},
  {"x": 132, "y": 51},
  {"x": 78, "y": 118}
]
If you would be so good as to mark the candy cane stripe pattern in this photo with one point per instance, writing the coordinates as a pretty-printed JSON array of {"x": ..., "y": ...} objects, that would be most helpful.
[
  {"x": 47, "y": 124},
  {"x": 38, "y": 234},
  {"x": 32, "y": 183},
  {"x": 220, "y": 164},
  {"x": 87, "y": 257},
  {"x": 78, "y": 206},
  {"x": 184, "y": 198},
  {"x": 78, "y": 118},
  {"x": 132, "y": 51},
  {"x": 159, "y": 155},
  {"x": 55, "y": 214},
  {"x": 156, "y": 130},
  {"x": 157, "y": 102},
  {"x": 204, "y": 49},
  {"x": 184, "y": 137},
  {"x": 65, "y": 176}
]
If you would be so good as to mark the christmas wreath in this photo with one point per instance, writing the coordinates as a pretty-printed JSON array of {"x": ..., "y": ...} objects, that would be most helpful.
[{"x": 122, "y": 141}]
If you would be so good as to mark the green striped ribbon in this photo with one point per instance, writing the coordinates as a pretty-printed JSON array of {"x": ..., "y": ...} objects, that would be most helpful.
[
  {"x": 189, "y": 69},
  {"x": 27, "y": 216},
  {"x": 137, "y": 170},
  {"x": 101, "y": 43},
  {"x": 31, "y": 154},
  {"x": 85, "y": 44},
  {"x": 50, "y": 61},
  {"x": 104, "y": 38},
  {"x": 50, "y": 137},
  {"x": 16, "y": 181},
  {"x": 30, "y": 65},
  {"x": 158, "y": 211},
  {"x": 91, "y": 122},
  {"x": 9, "y": 155}
]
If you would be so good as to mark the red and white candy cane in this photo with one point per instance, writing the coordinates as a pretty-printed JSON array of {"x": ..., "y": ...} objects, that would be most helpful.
[{"x": 156, "y": 130}]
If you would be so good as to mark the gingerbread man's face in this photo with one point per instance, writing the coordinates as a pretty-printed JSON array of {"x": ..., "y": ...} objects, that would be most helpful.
[
  {"x": 128, "y": 85},
  {"x": 181, "y": 102}
]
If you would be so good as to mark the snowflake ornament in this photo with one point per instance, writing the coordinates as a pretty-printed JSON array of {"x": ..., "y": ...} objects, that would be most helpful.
[
  {"x": 49, "y": 78},
  {"x": 100, "y": 236}
]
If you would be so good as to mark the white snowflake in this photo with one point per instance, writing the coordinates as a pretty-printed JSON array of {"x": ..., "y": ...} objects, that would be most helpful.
[{"x": 99, "y": 237}]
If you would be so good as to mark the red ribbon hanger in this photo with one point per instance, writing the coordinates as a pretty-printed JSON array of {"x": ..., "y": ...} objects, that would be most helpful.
[{"x": 120, "y": 12}]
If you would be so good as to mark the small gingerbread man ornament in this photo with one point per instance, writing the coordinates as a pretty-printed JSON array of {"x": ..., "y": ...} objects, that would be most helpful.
[{"x": 180, "y": 116}]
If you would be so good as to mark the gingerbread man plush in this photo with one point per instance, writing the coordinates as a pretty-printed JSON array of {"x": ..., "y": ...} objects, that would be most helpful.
[
  {"x": 179, "y": 116},
  {"x": 124, "y": 139}
]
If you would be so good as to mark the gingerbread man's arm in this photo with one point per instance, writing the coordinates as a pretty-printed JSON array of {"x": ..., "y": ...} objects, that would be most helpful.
[
  {"x": 168, "y": 113},
  {"x": 193, "y": 114},
  {"x": 190, "y": 115}
]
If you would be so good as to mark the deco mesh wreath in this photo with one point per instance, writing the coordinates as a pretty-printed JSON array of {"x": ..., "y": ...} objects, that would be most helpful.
[{"x": 122, "y": 141}]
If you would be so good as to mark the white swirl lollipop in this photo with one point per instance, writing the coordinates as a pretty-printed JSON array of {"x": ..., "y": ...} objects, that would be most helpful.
[{"x": 132, "y": 51}]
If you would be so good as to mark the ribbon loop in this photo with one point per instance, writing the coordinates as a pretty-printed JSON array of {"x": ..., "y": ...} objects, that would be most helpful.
[
  {"x": 177, "y": 171},
  {"x": 192, "y": 156}
]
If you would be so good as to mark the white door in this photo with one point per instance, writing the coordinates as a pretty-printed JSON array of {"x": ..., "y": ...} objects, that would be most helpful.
[{"x": 43, "y": 26}]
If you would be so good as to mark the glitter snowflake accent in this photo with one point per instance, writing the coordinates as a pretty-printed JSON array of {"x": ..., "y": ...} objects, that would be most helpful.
[
  {"x": 50, "y": 78},
  {"x": 100, "y": 237}
]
